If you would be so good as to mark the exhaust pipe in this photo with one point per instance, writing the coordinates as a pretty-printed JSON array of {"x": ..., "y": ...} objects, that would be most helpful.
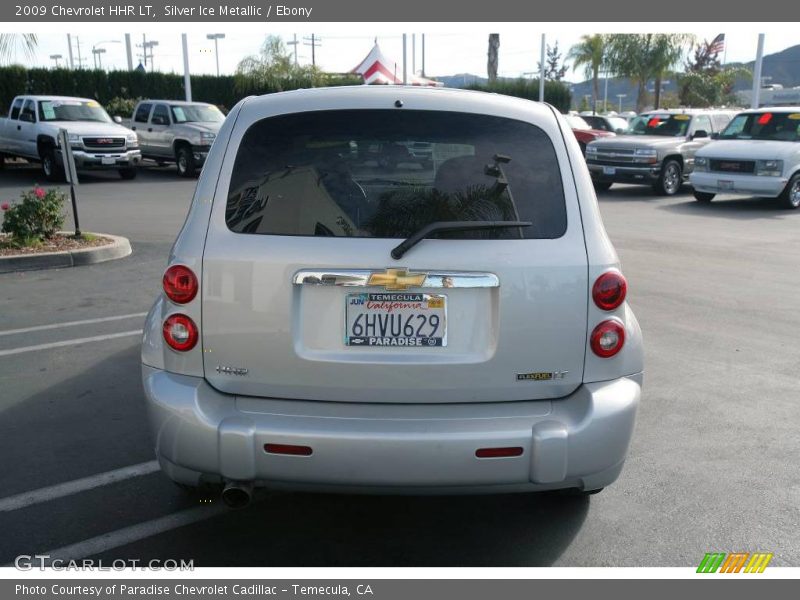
[{"x": 237, "y": 494}]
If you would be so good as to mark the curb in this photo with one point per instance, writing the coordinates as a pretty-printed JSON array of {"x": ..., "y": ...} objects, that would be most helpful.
[{"x": 120, "y": 248}]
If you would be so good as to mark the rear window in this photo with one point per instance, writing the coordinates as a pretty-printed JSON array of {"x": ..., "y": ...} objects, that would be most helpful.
[{"x": 389, "y": 173}]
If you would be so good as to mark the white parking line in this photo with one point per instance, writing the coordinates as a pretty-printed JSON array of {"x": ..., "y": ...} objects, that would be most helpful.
[
  {"x": 134, "y": 533},
  {"x": 71, "y": 324},
  {"x": 60, "y": 490},
  {"x": 73, "y": 342}
]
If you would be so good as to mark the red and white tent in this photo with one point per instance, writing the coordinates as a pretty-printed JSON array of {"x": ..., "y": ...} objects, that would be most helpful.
[{"x": 377, "y": 68}]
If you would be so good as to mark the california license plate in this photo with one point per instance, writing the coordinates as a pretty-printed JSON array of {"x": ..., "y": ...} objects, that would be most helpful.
[
  {"x": 609, "y": 170},
  {"x": 396, "y": 319},
  {"x": 725, "y": 185},
  {"x": 108, "y": 161}
]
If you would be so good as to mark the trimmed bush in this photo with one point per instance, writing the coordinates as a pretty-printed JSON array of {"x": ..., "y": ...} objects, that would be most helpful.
[{"x": 555, "y": 92}]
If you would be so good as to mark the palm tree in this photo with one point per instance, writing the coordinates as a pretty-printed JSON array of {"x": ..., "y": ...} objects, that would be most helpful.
[
  {"x": 590, "y": 53},
  {"x": 10, "y": 41}
]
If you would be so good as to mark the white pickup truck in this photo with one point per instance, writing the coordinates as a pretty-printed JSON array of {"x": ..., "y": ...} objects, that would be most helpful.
[
  {"x": 31, "y": 132},
  {"x": 758, "y": 154}
]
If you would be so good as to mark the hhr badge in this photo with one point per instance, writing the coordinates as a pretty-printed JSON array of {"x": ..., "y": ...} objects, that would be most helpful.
[
  {"x": 231, "y": 370},
  {"x": 397, "y": 279},
  {"x": 541, "y": 376}
]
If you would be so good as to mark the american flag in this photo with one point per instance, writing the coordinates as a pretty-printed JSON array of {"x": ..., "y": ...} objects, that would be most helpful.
[{"x": 718, "y": 44}]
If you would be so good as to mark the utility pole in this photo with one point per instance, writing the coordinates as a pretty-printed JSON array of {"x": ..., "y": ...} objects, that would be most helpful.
[
  {"x": 423, "y": 55},
  {"x": 315, "y": 43},
  {"x": 187, "y": 81},
  {"x": 128, "y": 51},
  {"x": 69, "y": 45},
  {"x": 541, "y": 72},
  {"x": 216, "y": 37},
  {"x": 413, "y": 53},
  {"x": 294, "y": 43},
  {"x": 80, "y": 60},
  {"x": 405, "y": 74},
  {"x": 755, "y": 100}
]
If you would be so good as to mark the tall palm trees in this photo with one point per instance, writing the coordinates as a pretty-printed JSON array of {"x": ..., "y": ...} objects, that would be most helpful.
[
  {"x": 10, "y": 41},
  {"x": 590, "y": 53}
]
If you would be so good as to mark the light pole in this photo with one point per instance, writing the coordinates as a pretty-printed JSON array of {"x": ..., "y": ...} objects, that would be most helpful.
[
  {"x": 621, "y": 96},
  {"x": 56, "y": 57},
  {"x": 97, "y": 51},
  {"x": 216, "y": 37}
]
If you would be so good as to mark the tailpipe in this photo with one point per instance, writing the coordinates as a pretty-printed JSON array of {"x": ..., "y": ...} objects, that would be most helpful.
[{"x": 237, "y": 494}]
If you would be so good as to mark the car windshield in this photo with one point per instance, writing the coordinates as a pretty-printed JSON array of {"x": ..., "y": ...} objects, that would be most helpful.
[
  {"x": 72, "y": 110},
  {"x": 389, "y": 173},
  {"x": 660, "y": 124},
  {"x": 779, "y": 127},
  {"x": 576, "y": 122},
  {"x": 196, "y": 113}
]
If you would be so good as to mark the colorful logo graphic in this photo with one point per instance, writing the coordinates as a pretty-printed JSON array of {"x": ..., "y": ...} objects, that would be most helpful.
[{"x": 735, "y": 562}]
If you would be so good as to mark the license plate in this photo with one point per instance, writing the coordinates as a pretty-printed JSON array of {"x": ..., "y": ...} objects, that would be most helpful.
[
  {"x": 396, "y": 319},
  {"x": 609, "y": 170},
  {"x": 725, "y": 185},
  {"x": 108, "y": 161}
]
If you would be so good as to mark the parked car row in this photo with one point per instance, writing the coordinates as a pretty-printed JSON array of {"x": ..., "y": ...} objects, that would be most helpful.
[
  {"x": 755, "y": 152},
  {"x": 161, "y": 130}
]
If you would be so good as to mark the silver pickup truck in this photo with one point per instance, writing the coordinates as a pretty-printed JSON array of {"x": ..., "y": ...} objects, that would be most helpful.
[
  {"x": 657, "y": 149},
  {"x": 179, "y": 132},
  {"x": 31, "y": 132}
]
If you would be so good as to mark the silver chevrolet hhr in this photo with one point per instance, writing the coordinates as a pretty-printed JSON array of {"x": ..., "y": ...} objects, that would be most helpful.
[{"x": 395, "y": 290}]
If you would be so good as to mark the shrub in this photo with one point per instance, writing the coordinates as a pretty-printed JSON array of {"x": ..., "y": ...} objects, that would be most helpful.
[
  {"x": 38, "y": 216},
  {"x": 122, "y": 107}
]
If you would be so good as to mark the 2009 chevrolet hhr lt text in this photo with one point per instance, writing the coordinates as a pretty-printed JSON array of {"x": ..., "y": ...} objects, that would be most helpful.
[{"x": 338, "y": 314}]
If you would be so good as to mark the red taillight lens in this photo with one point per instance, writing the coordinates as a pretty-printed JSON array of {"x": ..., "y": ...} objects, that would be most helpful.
[
  {"x": 607, "y": 338},
  {"x": 288, "y": 449},
  {"x": 180, "y": 284},
  {"x": 180, "y": 332},
  {"x": 608, "y": 292},
  {"x": 498, "y": 452}
]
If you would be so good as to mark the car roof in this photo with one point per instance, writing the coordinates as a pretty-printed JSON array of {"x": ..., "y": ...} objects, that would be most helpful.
[
  {"x": 175, "y": 102},
  {"x": 38, "y": 97},
  {"x": 773, "y": 109}
]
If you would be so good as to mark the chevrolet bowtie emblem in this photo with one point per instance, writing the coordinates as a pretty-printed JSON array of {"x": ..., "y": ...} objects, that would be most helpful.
[{"x": 397, "y": 279}]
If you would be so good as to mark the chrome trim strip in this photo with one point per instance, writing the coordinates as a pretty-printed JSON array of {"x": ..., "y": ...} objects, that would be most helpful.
[{"x": 360, "y": 277}]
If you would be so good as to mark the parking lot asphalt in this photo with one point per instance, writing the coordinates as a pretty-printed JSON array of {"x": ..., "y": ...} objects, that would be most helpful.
[{"x": 713, "y": 465}]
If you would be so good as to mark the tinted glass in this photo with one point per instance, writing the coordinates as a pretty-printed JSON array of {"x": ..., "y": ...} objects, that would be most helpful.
[
  {"x": 660, "y": 124},
  {"x": 142, "y": 113},
  {"x": 16, "y": 107},
  {"x": 781, "y": 127},
  {"x": 72, "y": 110},
  {"x": 160, "y": 115},
  {"x": 29, "y": 111},
  {"x": 702, "y": 123},
  {"x": 387, "y": 174}
]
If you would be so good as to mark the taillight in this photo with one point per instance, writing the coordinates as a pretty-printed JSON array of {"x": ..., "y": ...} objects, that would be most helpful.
[
  {"x": 180, "y": 284},
  {"x": 180, "y": 332},
  {"x": 608, "y": 292},
  {"x": 607, "y": 338}
]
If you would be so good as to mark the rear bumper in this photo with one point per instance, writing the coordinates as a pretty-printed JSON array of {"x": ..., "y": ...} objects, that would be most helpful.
[
  {"x": 575, "y": 442},
  {"x": 746, "y": 185}
]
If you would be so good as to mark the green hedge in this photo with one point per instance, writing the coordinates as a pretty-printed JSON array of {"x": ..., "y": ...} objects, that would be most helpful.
[
  {"x": 555, "y": 92},
  {"x": 104, "y": 86}
]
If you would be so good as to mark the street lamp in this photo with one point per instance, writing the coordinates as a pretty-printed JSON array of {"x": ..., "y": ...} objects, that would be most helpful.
[
  {"x": 56, "y": 58},
  {"x": 97, "y": 51},
  {"x": 221, "y": 36},
  {"x": 621, "y": 96}
]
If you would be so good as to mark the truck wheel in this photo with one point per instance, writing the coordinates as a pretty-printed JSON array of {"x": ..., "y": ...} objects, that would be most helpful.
[
  {"x": 602, "y": 186},
  {"x": 128, "y": 173},
  {"x": 50, "y": 167},
  {"x": 670, "y": 179},
  {"x": 790, "y": 196},
  {"x": 185, "y": 161},
  {"x": 704, "y": 197}
]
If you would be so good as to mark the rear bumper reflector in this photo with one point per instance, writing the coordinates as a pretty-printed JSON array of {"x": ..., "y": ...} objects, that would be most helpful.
[
  {"x": 288, "y": 449},
  {"x": 498, "y": 452}
]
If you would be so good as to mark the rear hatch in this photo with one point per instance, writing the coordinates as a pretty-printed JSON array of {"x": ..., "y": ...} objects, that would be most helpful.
[{"x": 302, "y": 298}]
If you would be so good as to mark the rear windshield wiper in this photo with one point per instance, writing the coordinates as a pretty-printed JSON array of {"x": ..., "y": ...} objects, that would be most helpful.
[{"x": 438, "y": 226}]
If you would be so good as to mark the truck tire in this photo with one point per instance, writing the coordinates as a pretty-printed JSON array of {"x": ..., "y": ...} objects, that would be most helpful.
[
  {"x": 184, "y": 159},
  {"x": 790, "y": 196},
  {"x": 670, "y": 179},
  {"x": 129, "y": 173},
  {"x": 50, "y": 168},
  {"x": 704, "y": 197}
]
